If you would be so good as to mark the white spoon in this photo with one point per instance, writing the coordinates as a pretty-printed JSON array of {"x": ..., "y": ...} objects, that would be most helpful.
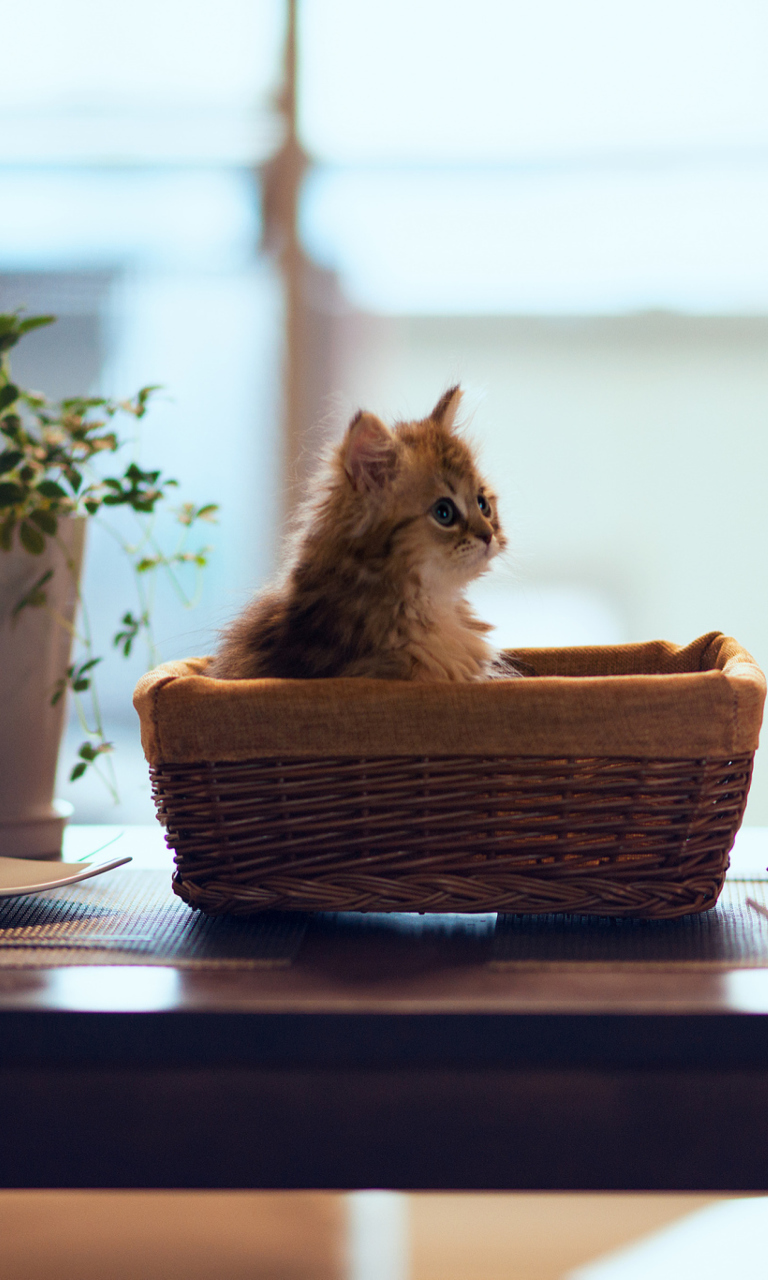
[{"x": 22, "y": 875}]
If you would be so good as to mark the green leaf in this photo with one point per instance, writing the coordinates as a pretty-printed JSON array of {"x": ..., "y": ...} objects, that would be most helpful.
[
  {"x": 10, "y": 494},
  {"x": 31, "y": 538},
  {"x": 10, "y": 425},
  {"x": 140, "y": 404},
  {"x": 135, "y": 473},
  {"x": 12, "y": 327},
  {"x": 76, "y": 679},
  {"x": 108, "y": 441},
  {"x": 60, "y": 687},
  {"x": 6, "y": 533},
  {"x": 209, "y": 512},
  {"x": 46, "y": 521},
  {"x": 34, "y": 598},
  {"x": 78, "y": 771},
  {"x": 51, "y": 489},
  {"x": 89, "y": 753},
  {"x": 35, "y": 399},
  {"x": 124, "y": 639},
  {"x": 92, "y": 662},
  {"x": 187, "y": 513},
  {"x": 78, "y": 404},
  {"x": 35, "y": 322},
  {"x": 9, "y": 394},
  {"x": 9, "y": 459}
]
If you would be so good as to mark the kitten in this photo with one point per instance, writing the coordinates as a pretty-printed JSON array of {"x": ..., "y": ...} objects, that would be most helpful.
[{"x": 401, "y": 523}]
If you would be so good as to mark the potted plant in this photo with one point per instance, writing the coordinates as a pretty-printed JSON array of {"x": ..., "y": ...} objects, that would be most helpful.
[{"x": 53, "y": 482}]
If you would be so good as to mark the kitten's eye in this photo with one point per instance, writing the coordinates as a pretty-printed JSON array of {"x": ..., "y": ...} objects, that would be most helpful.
[
  {"x": 444, "y": 512},
  {"x": 483, "y": 504}
]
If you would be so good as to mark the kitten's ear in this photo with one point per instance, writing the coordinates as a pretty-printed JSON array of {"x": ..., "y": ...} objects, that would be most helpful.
[
  {"x": 369, "y": 452},
  {"x": 447, "y": 407}
]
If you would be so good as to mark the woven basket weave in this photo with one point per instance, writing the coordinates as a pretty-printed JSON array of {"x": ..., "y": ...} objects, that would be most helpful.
[{"x": 609, "y": 781}]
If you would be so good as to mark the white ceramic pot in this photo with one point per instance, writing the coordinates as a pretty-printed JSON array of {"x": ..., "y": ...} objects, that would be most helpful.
[{"x": 34, "y": 654}]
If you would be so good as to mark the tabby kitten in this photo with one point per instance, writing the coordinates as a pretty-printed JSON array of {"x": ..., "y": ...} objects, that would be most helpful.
[{"x": 401, "y": 523}]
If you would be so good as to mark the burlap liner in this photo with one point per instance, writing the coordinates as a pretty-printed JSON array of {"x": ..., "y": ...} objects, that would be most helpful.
[{"x": 641, "y": 700}]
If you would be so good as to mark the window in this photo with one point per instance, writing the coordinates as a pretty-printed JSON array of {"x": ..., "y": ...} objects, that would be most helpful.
[{"x": 562, "y": 205}]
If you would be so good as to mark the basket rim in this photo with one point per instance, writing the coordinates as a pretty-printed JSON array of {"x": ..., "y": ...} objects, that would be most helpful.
[{"x": 654, "y": 699}]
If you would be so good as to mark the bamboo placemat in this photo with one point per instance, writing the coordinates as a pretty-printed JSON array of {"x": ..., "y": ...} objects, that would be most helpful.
[
  {"x": 133, "y": 917},
  {"x": 733, "y": 935}
]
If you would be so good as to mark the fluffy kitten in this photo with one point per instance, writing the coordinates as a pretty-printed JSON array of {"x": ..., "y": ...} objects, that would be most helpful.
[{"x": 400, "y": 524}]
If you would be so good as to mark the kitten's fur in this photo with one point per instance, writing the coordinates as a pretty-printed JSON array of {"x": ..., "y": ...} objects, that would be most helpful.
[{"x": 375, "y": 583}]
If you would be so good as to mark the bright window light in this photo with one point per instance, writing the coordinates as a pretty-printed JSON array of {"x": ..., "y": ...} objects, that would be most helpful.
[
  {"x": 173, "y": 80},
  {"x": 581, "y": 242},
  {"x": 556, "y": 158},
  {"x": 510, "y": 81},
  {"x": 148, "y": 217}
]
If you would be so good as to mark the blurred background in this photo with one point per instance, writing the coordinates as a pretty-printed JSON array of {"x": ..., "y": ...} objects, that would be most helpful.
[{"x": 283, "y": 212}]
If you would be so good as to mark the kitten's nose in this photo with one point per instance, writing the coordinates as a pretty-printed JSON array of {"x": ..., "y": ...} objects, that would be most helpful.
[{"x": 487, "y": 538}]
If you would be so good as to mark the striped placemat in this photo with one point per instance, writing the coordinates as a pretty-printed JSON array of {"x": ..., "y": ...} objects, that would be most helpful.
[
  {"x": 133, "y": 917},
  {"x": 733, "y": 935}
]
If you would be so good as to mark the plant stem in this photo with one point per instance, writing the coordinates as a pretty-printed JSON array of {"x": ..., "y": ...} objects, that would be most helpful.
[{"x": 85, "y": 639}]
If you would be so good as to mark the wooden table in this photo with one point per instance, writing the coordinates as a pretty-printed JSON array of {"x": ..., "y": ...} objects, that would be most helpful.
[{"x": 385, "y": 1058}]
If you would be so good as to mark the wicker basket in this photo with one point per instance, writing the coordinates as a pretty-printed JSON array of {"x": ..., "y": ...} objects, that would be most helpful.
[{"x": 610, "y": 781}]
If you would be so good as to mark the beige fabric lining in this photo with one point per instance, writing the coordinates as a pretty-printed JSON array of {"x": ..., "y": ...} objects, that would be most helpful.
[{"x": 657, "y": 699}]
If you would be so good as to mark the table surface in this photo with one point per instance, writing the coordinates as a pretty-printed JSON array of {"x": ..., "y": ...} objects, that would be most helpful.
[{"x": 388, "y": 1054}]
